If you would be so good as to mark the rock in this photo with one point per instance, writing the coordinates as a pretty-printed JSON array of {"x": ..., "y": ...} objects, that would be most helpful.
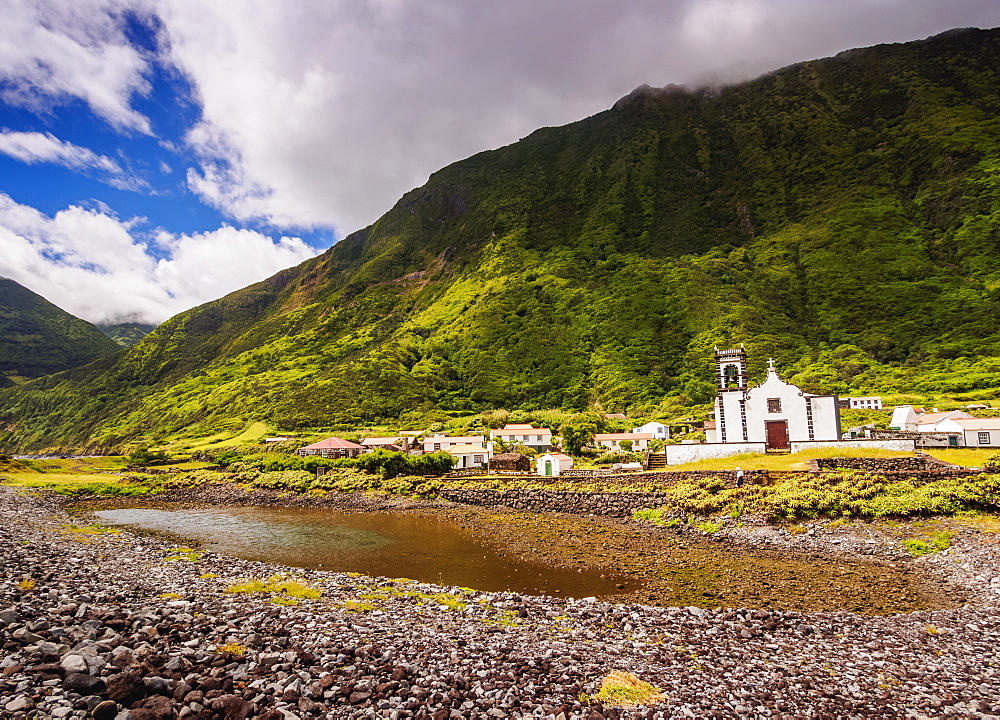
[
  {"x": 9, "y": 616},
  {"x": 75, "y": 664},
  {"x": 159, "y": 707},
  {"x": 25, "y": 636},
  {"x": 124, "y": 688},
  {"x": 232, "y": 707},
  {"x": 157, "y": 686},
  {"x": 18, "y": 704},
  {"x": 83, "y": 684},
  {"x": 106, "y": 710},
  {"x": 695, "y": 611}
]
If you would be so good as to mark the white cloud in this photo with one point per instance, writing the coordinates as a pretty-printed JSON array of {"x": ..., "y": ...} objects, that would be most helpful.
[
  {"x": 34, "y": 147},
  {"x": 95, "y": 266},
  {"x": 325, "y": 113},
  {"x": 55, "y": 51}
]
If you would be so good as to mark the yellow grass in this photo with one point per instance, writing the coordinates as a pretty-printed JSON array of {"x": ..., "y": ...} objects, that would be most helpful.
[
  {"x": 794, "y": 461},
  {"x": 967, "y": 457},
  {"x": 623, "y": 689}
]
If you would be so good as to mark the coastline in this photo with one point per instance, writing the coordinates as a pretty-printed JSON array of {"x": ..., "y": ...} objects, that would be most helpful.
[{"x": 143, "y": 632}]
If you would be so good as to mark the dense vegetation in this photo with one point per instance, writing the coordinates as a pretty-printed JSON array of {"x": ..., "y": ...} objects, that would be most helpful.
[
  {"x": 38, "y": 338},
  {"x": 839, "y": 215},
  {"x": 126, "y": 334}
]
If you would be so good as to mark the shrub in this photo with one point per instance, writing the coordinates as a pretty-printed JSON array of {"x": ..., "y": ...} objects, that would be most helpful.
[{"x": 623, "y": 689}]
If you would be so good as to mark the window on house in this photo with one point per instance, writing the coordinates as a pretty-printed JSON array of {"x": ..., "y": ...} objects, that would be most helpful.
[
  {"x": 437, "y": 446},
  {"x": 984, "y": 438},
  {"x": 477, "y": 459},
  {"x": 774, "y": 405}
]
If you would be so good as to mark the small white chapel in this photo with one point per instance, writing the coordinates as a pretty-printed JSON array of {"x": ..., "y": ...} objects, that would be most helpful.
[{"x": 775, "y": 412}]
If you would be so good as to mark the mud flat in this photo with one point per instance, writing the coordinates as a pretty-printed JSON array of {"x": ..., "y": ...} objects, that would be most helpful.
[{"x": 115, "y": 625}]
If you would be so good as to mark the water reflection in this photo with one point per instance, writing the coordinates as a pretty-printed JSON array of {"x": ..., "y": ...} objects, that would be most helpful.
[{"x": 381, "y": 544}]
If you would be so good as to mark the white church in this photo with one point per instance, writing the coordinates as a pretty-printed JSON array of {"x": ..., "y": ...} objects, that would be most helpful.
[{"x": 775, "y": 413}]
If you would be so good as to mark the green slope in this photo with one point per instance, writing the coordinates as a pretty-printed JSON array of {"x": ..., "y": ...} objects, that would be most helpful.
[
  {"x": 126, "y": 334},
  {"x": 38, "y": 338},
  {"x": 840, "y": 215}
]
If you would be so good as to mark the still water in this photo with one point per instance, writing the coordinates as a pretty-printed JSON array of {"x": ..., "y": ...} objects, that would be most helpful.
[{"x": 379, "y": 544}]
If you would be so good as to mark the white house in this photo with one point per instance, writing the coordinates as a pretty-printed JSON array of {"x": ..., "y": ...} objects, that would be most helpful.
[
  {"x": 436, "y": 443},
  {"x": 659, "y": 431},
  {"x": 971, "y": 431},
  {"x": 640, "y": 441},
  {"x": 865, "y": 403},
  {"x": 539, "y": 439},
  {"x": 399, "y": 444},
  {"x": 775, "y": 413},
  {"x": 468, "y": 455},
  {"x": 904, "y": 418},
  {"x": 552, "y": 464},
  {"x": 933, "y": 421}
]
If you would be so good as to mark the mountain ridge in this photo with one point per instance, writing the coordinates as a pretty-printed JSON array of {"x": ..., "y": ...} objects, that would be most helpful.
[
  {"x": 38, "y": 338},
  {"x": 837, "y": 214}
]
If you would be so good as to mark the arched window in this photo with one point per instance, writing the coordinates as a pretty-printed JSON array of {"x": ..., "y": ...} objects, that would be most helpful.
[{"x": 731, "y": 376}]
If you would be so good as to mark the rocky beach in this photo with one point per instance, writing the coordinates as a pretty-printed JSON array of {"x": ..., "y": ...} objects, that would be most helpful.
[{"x": 110, "y": 624}]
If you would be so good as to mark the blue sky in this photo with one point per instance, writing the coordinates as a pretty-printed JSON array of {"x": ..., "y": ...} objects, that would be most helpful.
[{"x": 157, "y": 154}]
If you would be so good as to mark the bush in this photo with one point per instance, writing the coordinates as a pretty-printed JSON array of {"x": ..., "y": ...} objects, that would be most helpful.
[{"x": 618, "y": 457}]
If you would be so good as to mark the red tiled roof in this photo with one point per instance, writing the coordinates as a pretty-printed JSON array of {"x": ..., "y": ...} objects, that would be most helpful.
[
  {"x": 333, "y": 443},
  {"x": 521, "y": 430}
]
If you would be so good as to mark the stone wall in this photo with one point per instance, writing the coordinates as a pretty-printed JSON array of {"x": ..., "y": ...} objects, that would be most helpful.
[
  {"x": 610, "y": 504},
  {"x": 887, "y": 465}
]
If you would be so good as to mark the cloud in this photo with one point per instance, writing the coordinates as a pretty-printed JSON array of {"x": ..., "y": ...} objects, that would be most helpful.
[
  {"x": 54, "y": 52},
  {"x": 100, "y": 268},
  {"x": 325, "y": 113},
  {"x": 35, "y": 147}
]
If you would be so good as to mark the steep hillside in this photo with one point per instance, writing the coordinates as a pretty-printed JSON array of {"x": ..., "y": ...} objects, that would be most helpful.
[
  {"x": 38, "y": 338},
  {"x": 126, "y": 334},
  {"x": 840, "y": 215}
]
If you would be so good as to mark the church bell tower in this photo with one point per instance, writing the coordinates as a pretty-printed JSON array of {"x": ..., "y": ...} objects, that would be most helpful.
[{"x": 731, "y": 369}]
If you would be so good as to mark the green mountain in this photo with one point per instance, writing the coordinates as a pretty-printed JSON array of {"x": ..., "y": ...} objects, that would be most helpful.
[
  {"x": 126, "y": 334},
  {"x": 38, "y": 338},
  {"x": 841, "y": 215}
]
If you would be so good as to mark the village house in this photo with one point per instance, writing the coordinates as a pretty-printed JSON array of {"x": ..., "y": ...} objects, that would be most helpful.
[
  {"x": 333, "y": 447},
  {"x": 538, "y": 439},
  {"x": 659, "y": 431},
  {"x": 865, "y": 403},
  {"x": 972, "y": 431},
  {"x": 437, "y": 443},
  {"x": 553, "y": 464},
  {"x": 396, "y": 444},
  {"x": 775, "y": 412},
  {"x": 640, "y": 441},
  {"x": 469, "y": 456}
]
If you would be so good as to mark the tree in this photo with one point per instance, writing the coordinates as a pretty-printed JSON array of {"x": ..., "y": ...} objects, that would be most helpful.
[
  {"x": 576, "y": 435},
  {"x": 625, "y": 445}
]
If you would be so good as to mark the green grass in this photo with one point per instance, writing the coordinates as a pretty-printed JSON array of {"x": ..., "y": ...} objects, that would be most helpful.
[{"x": 793, "y": 461}]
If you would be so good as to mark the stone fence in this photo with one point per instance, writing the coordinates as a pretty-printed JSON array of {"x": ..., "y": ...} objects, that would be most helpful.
[
  {"x": 609, "y": 504},
  {"x": 886, "y": 464}
]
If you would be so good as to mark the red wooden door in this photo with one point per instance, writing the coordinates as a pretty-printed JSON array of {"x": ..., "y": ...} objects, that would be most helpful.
[{"x": 777, "y": 434}]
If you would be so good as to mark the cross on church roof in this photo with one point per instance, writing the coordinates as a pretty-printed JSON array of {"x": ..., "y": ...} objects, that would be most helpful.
[{"x": 770, "y": 364}]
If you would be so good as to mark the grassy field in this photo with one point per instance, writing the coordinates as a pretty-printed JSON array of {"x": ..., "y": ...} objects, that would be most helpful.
[
  {"x": 967, "y": 457},
  {"x": 796, "y": 461}
]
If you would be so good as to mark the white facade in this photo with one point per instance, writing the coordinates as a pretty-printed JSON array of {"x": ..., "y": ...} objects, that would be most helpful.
[
  {"x": 904, "y": 418},
  {"x": 535, "y": 438},
  {"x": 866, "y": 403},
  {"x": 640, "y": 441},
  {"x": 469, "y": 455},
  {"x": 658, "y": 430},
  {"x": 436, "y": 443},
  {"x": 553, "y": 464},
  {"x": 938, "y": 421},
  {"x": 775, "y": 413},
  {"x": 973, "y": 431}
]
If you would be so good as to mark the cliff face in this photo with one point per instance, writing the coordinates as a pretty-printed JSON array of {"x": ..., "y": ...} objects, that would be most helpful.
[
  {"x": 38, "y": 338},
  {"x": 840, "y": 215}
]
